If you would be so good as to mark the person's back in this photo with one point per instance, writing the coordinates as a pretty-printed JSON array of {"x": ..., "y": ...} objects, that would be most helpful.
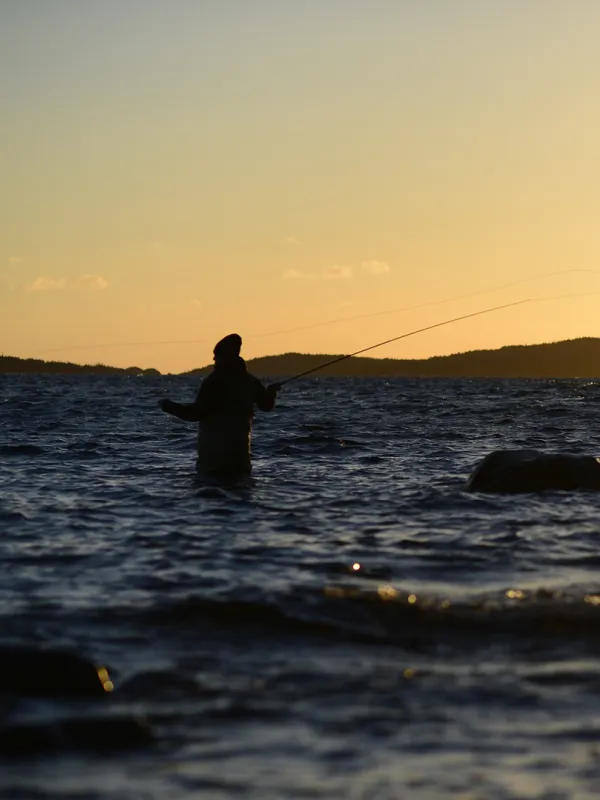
[
  {"x": 226, "y": 403},
  {"x": 224, "y": 409}
]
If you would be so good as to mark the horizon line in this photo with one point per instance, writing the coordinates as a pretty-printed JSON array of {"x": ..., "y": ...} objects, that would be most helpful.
[{"x": 303, "y": 355}]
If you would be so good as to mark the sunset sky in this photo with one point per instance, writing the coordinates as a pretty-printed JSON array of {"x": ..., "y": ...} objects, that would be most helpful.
[{"x": 181, "y": 170}]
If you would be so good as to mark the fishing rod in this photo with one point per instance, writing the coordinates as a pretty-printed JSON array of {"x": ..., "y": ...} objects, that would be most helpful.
[{"x": 403, "y": 336}]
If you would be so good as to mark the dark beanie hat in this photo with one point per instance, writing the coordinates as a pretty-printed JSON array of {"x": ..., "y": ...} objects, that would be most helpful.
[{"x": 229, "y": 346}]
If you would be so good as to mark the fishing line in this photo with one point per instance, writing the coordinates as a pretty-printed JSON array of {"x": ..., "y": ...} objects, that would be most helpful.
[
  {"x": 404, "y": 336},
  {"x": 430, "y": 327},
  {"x": 342, "y": 319},
  {"x": 435, "y": 302}
]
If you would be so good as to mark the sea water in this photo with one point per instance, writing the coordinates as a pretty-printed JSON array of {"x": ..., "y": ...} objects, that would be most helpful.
[{"x": 347, "y": 623}]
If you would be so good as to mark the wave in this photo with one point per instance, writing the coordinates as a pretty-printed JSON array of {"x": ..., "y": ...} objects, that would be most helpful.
[{"x": 390, "y": 616}]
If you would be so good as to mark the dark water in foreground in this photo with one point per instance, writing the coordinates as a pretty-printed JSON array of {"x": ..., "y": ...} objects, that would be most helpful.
[{"x": 348, "y": 624}]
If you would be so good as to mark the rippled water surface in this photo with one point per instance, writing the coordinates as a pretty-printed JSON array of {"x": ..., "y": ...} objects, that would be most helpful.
[{"x": 348, "y": 623}]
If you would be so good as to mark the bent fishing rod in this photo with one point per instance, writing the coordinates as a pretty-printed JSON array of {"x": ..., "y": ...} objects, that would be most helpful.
[{"x": 403, "y": 336}]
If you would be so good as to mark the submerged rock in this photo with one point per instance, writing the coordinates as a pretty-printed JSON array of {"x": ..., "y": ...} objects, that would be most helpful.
[
  {"x": 514, "y": 471},
  {"x": 92, "y": 734},
  {"x": 29, "y": 672},
  {"x": 37, "y": 672}
]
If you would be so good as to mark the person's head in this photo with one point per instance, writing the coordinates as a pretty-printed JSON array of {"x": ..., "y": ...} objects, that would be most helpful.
[{"x": 228, "y": 348}]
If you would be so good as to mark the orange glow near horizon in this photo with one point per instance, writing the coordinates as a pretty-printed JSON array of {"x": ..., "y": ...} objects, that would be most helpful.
[{"x": 175, "y": 172}]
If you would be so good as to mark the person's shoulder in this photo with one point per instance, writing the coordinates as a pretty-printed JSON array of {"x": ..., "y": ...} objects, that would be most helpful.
[{"x": 208, "y": 381}]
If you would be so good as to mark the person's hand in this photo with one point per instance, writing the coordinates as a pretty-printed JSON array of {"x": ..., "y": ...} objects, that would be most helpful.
[{"x": 273, "y": 388}]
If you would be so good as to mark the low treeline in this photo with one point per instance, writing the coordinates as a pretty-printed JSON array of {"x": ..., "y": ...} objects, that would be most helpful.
[
  {"x": 36, "y": 366},
  {"x": 574, "y": 358}
]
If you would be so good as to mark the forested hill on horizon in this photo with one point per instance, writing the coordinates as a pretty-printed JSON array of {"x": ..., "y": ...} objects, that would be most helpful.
[
  {"x": 36, "y": 366},
  {"x": 573, "y": 358}
]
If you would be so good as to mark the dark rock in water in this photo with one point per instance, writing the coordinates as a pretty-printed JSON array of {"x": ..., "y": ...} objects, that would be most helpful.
[
  {"x": 29, "y": 672},
  {"x": 513, "y": 471},
  {"x": 32, "y": 672},
  {"x": 28, "y": 739},
  {"x": 95, "y": 734},
  {"x": 108, "y": 733}
]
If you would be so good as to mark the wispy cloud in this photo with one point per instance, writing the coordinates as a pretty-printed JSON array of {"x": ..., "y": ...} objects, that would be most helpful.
[
  {"x": 195, "y": 302},
  {"x": 344, "y": 304},
  {"x": 338, "y": 273},
  {"x": 292, "y": 240},
  {"x": 45, "y": 284},
  {"x": 376, "y": 267},
  {"x": 334, "y": 273},
  {"x": 295, "y": 275},
  {"x": 92, "y": 282},
  {"x": 16, "y": 260}
]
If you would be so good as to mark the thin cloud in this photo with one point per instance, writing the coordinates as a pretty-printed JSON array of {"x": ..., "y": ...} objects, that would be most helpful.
[
  {"x": 46, "y": 284},
  {"x": 344, "y": 304},
  {"x": 338, "y": 273},
  {"x": 92, "y": 282},
  {"x": 292, "y": 240},
  {"x": 195, "y": 302},
  {"x": 16, "y": 260},
  {"x": 334, "y": 273},
  {"x": 376, "y": 267},
  {"x": 295, "y": 275}
]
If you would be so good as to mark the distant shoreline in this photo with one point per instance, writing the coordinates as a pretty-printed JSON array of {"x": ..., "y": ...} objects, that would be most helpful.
[
  {"x": 573, "y": 358},
  {"x": 12, "y": 365}
]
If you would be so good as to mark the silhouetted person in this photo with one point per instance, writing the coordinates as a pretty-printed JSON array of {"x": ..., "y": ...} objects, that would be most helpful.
[{"x": 224, "y": 408}]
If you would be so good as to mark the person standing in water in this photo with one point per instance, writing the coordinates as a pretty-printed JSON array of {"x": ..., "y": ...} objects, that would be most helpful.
[{"x": 224, "y": 409}]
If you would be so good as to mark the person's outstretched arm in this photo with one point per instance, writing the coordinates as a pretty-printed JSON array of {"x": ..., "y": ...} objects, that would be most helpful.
[
  {"x": 189, "y": 412},
  {"x": 186, "y": 411}
]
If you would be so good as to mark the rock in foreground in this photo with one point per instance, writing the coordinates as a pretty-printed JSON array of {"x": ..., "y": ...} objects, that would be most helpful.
[
  {"x": 516, "y": 471},
  {"x": 38, "y": 672}
]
